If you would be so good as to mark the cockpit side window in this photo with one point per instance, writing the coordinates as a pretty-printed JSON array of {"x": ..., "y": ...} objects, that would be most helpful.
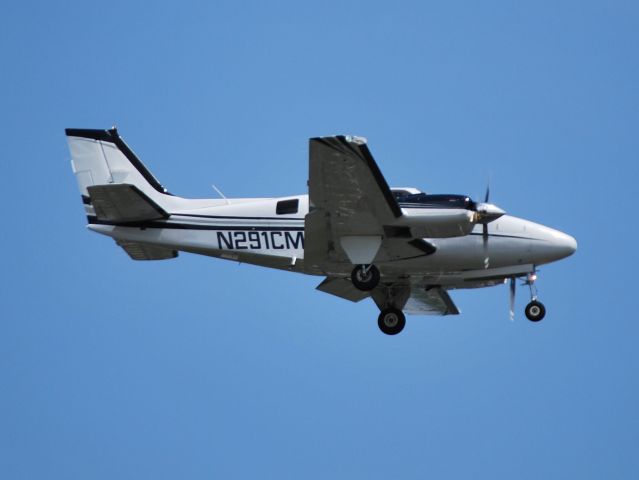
[{"x": 287, "y": 207}]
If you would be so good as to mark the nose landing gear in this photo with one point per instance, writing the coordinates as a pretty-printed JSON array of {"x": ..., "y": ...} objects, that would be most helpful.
[{"x": 535, "y": 310}]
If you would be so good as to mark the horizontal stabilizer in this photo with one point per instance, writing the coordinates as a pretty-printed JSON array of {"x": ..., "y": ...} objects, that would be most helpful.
[
  {"x": 123, "y": 203},
  {"x": 145, "y": 251}
]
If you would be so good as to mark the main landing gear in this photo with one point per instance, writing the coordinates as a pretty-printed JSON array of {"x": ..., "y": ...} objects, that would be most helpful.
[
  {"x": 391, "y": 321},
  {"x": 535, "y": 310},
  {"x": 365, "y": 277}
]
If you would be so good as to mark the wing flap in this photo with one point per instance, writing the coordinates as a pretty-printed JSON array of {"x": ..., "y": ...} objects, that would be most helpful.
[
  {"x": 123, "y": 203},
  {"x": 145, "y": 251},
  {"x": 430, "y": 301},
  {"x": 414, "y": 298}
]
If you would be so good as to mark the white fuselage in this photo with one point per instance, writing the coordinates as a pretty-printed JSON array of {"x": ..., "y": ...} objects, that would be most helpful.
[{"x": 250, "y": 231}]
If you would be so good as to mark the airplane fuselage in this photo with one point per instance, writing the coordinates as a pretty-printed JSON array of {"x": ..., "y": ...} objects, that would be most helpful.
[{"x": 264, "y": 238}]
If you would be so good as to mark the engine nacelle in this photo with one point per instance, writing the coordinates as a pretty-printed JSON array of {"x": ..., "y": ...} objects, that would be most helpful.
[
  {"x": 440, "y": 216},
  {"x": 438, "y": 223}
]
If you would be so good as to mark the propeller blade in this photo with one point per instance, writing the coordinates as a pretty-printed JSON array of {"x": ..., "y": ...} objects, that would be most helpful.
[
  {"x": 513, "y": 286},
  {"x": 485, "y": 244},
  {"x": 487, "y": 196}
]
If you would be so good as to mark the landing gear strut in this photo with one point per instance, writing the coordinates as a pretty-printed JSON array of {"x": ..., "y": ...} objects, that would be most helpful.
[
  {"x": 535, "y": 310},
  {"x": 391, "y": 321},
  {"x": 365, "y": 277}
]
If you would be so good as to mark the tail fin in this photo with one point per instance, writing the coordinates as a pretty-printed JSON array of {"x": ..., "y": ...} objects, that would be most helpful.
[
  {"x": 100, "y": 157},
  {"x": 116, "y": 188}
]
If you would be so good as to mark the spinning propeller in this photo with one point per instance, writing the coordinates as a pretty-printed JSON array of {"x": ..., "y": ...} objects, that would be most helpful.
[
  {"x": 485, "y": 213},
  {"x": 513, "y": 286}
]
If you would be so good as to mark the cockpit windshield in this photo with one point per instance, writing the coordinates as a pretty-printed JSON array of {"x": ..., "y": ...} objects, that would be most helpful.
[{"x": 423, "y": 200}]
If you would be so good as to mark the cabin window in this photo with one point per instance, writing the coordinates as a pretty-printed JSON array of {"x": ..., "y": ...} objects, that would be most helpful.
[{"x": 286, "y": 207}]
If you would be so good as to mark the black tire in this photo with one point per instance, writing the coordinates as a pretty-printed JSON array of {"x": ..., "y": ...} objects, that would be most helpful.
[
  {"x": 365, "y": 281},
  {"x": 535, "y": 311},
  {"x": 391, "y": 321}
]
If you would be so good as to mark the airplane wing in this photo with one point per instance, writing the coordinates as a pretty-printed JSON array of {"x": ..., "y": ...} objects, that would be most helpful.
[
  {"x": 350, "y": 201},
  {"x": 122, "y": 203},
  {"x": 345, "y": 182},
  {"x": 430, "y": 301},
  {"x": 145, "y": 251},
  {"x": 414, "y": 299},
  {"x": 343, "y": 288}
]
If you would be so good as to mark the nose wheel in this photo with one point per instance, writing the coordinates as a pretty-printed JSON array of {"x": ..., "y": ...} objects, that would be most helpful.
[
  {"x": 365, "y": 277},
  {"x": 391, "y": 321},
  {"x": 535, "y": 310}
]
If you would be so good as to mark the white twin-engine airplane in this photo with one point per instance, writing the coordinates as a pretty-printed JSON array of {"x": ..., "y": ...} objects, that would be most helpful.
[{"x": 400, "y": 246}]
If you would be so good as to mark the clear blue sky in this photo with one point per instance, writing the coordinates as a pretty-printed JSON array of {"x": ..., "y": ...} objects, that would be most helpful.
[{"x": 199, "y": 368}]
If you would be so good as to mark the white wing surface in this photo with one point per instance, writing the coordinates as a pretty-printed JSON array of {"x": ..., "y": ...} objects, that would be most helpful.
[
  {"x": 430, "y": 301},
  {"x": 414, "y": 299},
  {"x": 352, "y": 210}
]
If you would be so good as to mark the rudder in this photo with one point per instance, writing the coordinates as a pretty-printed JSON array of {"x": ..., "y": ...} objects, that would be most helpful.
[{"x": 100, "y": 157}]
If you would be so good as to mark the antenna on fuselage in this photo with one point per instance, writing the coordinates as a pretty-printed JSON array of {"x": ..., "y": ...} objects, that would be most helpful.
[{"x": 221, "y": 194}]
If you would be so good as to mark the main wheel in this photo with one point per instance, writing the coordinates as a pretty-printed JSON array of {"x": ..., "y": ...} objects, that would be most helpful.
[
  {"x": 535, "y": 311},
  {"x": 391, "y": 321},
  {"x": 365, "y": 277}
]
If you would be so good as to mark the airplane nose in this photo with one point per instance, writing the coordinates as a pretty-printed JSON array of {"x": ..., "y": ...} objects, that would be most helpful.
[
  {"x": 551, "y": 245},
  {"x": 558, "y": 245},
  {"x": 565, "y": 245}
]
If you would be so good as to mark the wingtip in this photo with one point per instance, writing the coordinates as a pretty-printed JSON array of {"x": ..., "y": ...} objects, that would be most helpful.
[
  {"x": 356, "y": 139},
  {"x": 93, "y": 133}
]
